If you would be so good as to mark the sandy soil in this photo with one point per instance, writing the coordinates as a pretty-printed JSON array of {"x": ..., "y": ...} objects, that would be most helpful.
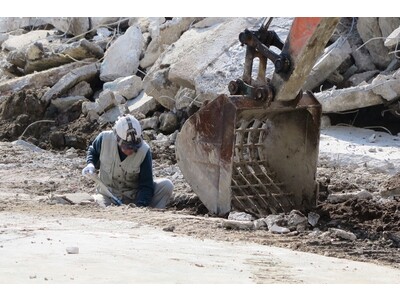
[
  {"x": 48, "y": 184},
  {"x": 43, "y": 191}
]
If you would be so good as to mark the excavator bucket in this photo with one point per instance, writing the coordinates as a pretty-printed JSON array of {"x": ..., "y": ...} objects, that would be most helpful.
[{"x": 257, "y": 150}]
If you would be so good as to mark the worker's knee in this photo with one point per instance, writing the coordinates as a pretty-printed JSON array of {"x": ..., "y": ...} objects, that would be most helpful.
[
  {"x": 169, "y": 186},
  {"x": 164, "y": 186},
  {"x": 163, "y": 189}
]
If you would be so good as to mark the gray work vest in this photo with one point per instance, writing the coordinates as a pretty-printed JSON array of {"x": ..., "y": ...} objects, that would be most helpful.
[{"x": 121, "y": 177}]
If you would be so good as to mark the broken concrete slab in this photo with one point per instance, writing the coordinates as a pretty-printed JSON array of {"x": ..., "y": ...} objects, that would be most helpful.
[
  {"x": 161, "y": 34},
  {"x": 83, "y": 73},
  {"x": 8, "y": 24},
  {"x": 110, "y": 22},
  {"x": 238, "y": 225},
  {"x": 122, "y": 58},
  {"x": 368, "y": 28},
  {"x": 152, "y": 53},
  {"x": 187, "y": 64},
  {"x": 80, "y": 198},
  {"x": 142, "y": 104},
  {"x": 157, "y": 85},
  {"x": 39, "y": 57},
  {"x": 184, "y": 97},
  {"x": 153, "y": 48},
  {"x": 109, "y": 99},
  {"x": 182, "y": 65},
  {"x": 340, "y": 233},
  {"x": 69, "y": 25},
  {"x": 40, "y": 79},
  {"x": 171, "y": 30},
  {"x": 362, "y": 59},
  {"x": 91, "y": 110},
  {"x": 330, "y": 60},
  {"x": 65, "y": 103},
  {"x": 388, "y": 24},
  {"x": 388, "y": 87},
  {"x": 149, "y": 123},
  {"x": 62, "y": 54},
  {"x": 82, "y": 88},
  {"x": 128, "y": 87},
  {"x": 106, "y": 108},
  {"x": 342, "y": 197},
  {"x": 393, "y": 39},
  {"x": 348, "y": 99},
  {"x": 111, "y": 115},
  {"x": 359, "y": 78},
  {"x": 168, "y": 122},
  {"x": 17, "y": 42},
  {"x": 27, "y": 145}
]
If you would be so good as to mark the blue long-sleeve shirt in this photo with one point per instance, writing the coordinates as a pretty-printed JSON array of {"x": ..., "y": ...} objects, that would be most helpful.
[{"x": 146, "y": 188}]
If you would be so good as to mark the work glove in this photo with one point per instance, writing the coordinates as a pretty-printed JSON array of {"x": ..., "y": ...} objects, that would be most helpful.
[{"x": 89, "y": 169}]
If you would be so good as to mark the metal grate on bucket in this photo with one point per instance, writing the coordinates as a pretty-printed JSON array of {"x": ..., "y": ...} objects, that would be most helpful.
[{"x": 254, "y": 186}]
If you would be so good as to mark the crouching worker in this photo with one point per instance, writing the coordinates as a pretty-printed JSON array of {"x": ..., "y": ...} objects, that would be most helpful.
[{"x": 126, "y": 167}]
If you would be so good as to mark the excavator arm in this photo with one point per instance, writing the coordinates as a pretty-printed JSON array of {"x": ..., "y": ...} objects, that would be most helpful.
[
  {"x": 307, "y": 39},
  {"x": 257, "y": 149}
]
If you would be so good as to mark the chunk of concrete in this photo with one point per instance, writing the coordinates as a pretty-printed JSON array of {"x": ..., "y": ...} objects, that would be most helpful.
[{"x": 84, "y": 73}]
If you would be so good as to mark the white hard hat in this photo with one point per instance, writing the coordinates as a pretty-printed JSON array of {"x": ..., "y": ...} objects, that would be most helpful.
[{"x": 128, "y": 131}]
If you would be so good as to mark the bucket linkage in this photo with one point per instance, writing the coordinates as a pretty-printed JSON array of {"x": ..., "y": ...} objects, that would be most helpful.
[{"x": 257, "y": 149}]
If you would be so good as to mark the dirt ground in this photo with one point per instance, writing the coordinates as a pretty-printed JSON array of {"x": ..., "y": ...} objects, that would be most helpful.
[{"x": 36, "y": 183}]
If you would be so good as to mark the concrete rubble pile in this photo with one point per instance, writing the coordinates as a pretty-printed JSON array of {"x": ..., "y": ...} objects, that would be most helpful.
[{"x": 163, "y": 69}]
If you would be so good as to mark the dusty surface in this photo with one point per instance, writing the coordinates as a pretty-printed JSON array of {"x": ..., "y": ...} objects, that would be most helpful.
[
  {"x": 51, "y": 249},
  {"x": 43, "y": 211},
  {"x": 39, "y": 185}
]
